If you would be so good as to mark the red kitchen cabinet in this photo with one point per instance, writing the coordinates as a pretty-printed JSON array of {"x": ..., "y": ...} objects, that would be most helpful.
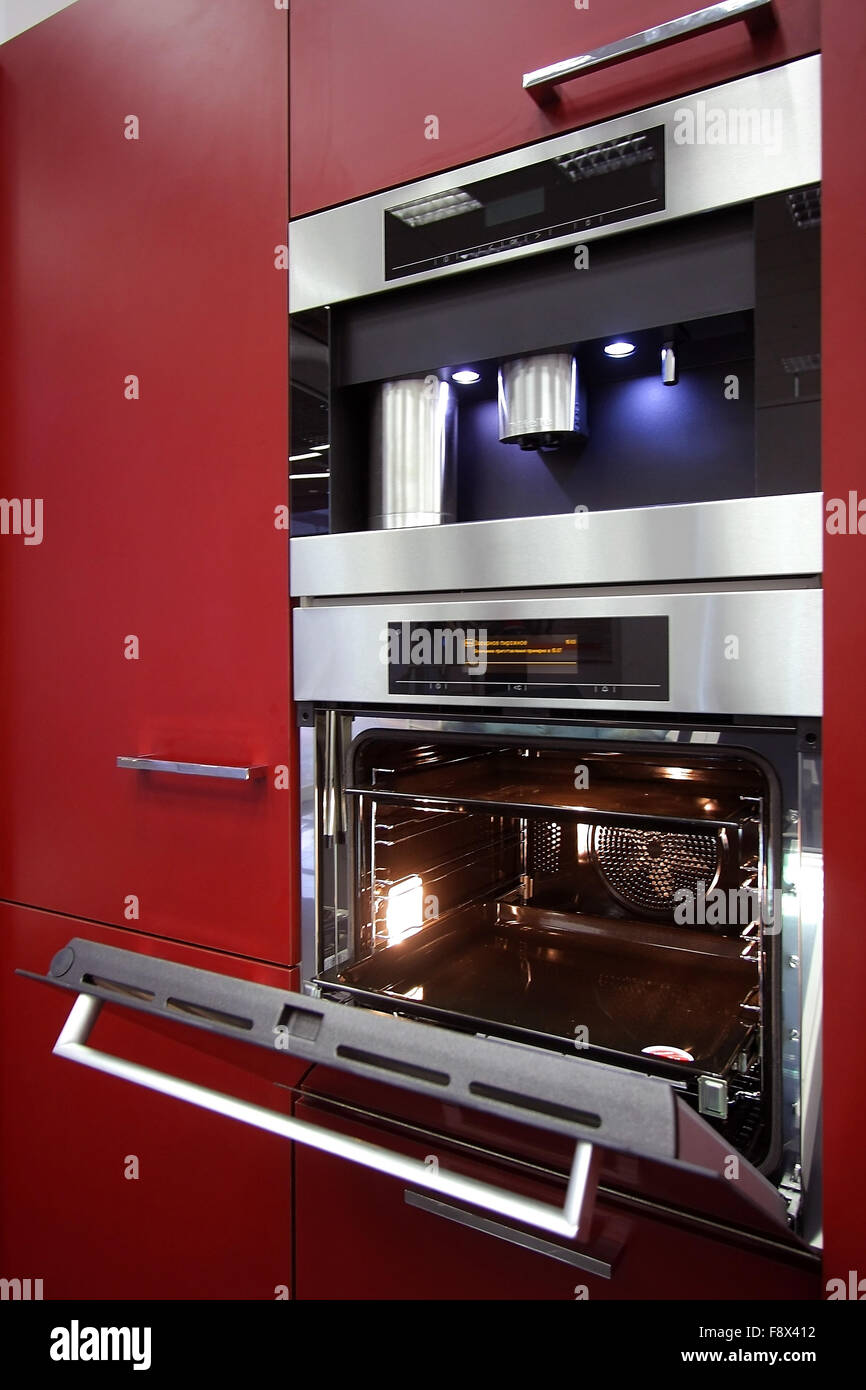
[
  {"x": 208, "y": 1215},
  {"x": 144, "y": 192},
  {"x": 843, "y": 369},
  {"x": 360, "y": 1235},
  {"x": 386, "y": 92}
]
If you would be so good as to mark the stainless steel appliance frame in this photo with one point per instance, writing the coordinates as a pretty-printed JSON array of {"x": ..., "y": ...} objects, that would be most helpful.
[
  {"x": 339, "y": 254},
  {"x": 746, "y": 568},
  {"x": 752, "y": 651},
  {"x": 757, "y": 537}
]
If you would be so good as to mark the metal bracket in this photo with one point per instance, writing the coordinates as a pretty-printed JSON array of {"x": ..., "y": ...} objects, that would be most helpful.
[{"x": 713, "y": 1097}]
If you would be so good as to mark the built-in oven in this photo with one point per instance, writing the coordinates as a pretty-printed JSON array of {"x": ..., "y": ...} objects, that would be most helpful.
[{"x": 549, "y": 821}]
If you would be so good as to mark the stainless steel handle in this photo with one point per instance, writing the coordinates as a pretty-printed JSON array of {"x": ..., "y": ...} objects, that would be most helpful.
[
  {"x": 591, "y": 1264},
  {"x": 333, "y": 801},
  {"x": 231, "y": 774},
  {"x": 758, "y": 15},
  {"x": 565, "y": 1221}
]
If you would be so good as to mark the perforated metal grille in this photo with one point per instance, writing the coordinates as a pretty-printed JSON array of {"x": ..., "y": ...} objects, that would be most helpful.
[
  {"x": 545, "y": 840},
  {"x": 644, "y": 868},
  {"x": 606, "y": 158}
]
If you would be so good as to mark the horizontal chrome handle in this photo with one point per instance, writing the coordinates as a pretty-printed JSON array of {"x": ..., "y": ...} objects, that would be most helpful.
[
  {"x": 578, "y": 1259},
  {"x": 758, "y": 15},
  {"x": 231, "y": 774},
  {"x": 566, "y": 1221}
]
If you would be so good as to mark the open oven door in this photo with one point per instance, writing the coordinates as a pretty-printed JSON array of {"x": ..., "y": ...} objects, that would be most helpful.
[{"x": 596, "y": 1106}]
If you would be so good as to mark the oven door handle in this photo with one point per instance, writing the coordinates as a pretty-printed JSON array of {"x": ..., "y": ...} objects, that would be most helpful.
[
  {"x": 758, "y": 15},
  {"x": 600, "y": 1264},
  {"x": 568, "y": 1221},
  {"x": 593, "y": 1105}
]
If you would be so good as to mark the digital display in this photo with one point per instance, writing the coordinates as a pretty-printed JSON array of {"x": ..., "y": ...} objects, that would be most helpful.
[
  {"x": 555, "y": 658},
  {"x": 586, "y": 187},
  {"x": 513, "y": 208}
]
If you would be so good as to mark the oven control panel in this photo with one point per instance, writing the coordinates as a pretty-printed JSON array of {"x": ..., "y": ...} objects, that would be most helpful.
[
  {"x": 616, "y": 658},
  {"x": 573, "y": 192}
]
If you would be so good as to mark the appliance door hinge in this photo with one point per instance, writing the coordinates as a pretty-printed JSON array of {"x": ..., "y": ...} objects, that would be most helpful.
[{"x": 791, "y": 1188}]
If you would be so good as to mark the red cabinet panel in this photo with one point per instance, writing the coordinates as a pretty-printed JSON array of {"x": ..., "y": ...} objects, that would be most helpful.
[
  {"x": 367, "y": 79},
  {"x": 357, "y": 1238},
  {"x": 147, "y": 265},
  {"x": 209, "y": 1215},
  {"x": 692, "y": 1194},
  {"x": 844, "y": 364}
]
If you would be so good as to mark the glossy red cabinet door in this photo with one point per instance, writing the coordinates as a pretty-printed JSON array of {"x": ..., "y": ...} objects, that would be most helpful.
[
  {"x": 111, "y": 1191},
  {"x": 357, "y": 1237},
  {"x": 843, "y": 368},
  {"x": 385, "y": 92},
  {"x": 144, "y": 191}
]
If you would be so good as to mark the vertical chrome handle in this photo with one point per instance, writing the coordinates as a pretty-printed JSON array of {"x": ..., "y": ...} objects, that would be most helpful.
[
  {"x": 758, "y": 15},
  {"x": 566, "y": 1221},
  {"x": 231, "y": 774},
  {"x": 333, "y": 805}
]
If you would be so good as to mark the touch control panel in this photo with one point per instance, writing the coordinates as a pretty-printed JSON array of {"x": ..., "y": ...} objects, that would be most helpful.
[{"x": 574, "y": 192}]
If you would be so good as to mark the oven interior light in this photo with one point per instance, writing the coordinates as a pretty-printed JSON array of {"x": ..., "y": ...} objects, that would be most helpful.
[
  {"x": 404, "y": 914},
  {"x": 620, "y": 348},
  {"x": 465, "y": 376}
]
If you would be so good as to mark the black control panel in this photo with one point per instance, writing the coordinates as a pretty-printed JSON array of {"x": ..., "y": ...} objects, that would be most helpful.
[
  {"x": 549, "y": 658},
  {"x": 573, "y": 192}
]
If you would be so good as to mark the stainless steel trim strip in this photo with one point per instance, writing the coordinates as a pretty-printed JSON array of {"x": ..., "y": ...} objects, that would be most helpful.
[
  {"x": 230, "y": 774},
  {"x": 757, "y": 14},
  {"x": 745, "y": 538},
  {"x": 590, "y": 1264},
  {"x": 339, "y": 254},
  {"x": 773, "y": 668}
]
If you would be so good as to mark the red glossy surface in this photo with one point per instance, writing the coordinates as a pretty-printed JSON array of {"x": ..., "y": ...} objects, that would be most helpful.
[
  {"x": 152, "y": 257},
  {"x": 843, "y": 367},
  {"x": 356, "y": 1238},
  {"x": 209, "y": 1215},
  {"x": 365, "y": 79},
  {"x": 686, "y": 1193}
]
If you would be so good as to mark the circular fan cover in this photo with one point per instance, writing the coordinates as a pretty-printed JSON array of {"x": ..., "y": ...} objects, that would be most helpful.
[{"x": 644, "y": 868}]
